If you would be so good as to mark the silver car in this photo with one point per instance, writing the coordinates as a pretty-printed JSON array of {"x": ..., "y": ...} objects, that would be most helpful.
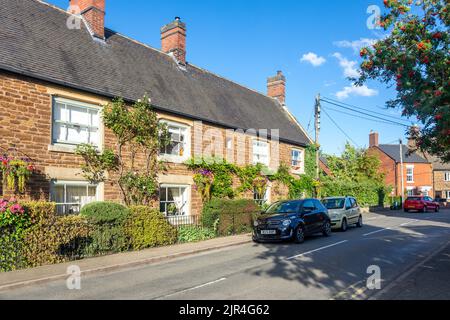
[{"x": 343, "y": 212}]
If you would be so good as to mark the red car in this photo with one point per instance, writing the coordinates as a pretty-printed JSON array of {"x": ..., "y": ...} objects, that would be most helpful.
[{"x": 421, "y": 204}]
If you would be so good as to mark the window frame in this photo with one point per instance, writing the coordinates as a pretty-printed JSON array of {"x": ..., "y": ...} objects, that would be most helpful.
[
  {"x": 186, "y": 205},
  {"x": 257, "y": 141},
  {"x": 79, "y": 104},
  {"x": 187, "y": 143},
  {"x": 300, "y": 160},
  {"x": 410, "y": 175},
  {"x": 71, "y": 183},
  {"x": 447, "y": 176}
]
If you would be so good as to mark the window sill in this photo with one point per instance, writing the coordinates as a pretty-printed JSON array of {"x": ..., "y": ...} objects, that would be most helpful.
[
  {"x": 61, "y": 148},
  {"x": 173, "y": 159}
]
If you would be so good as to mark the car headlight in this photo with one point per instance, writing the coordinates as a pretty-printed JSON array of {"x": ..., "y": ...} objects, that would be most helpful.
[
  {"x": 256, "y": 223},
  {"x": 286, "y": 223}
]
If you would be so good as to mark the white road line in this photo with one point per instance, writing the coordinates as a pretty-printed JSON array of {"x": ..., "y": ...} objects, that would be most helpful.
[
  {"x": 377, "y": 231},
  {"x": 195, "y": 288},
  {"x": 312, "y": 251},
  {"x": 390, "y": 228},
  {"x": 408, "y": 223},
  {"x": 370, "y": 219}
]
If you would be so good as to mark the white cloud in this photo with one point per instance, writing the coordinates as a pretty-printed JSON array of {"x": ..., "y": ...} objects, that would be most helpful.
[
  {"x": 314, "y": 59},
  {"x": 362, "y": 91},
  {"x": 356, "y": 45},
  {"x": 349, "y": 66}
]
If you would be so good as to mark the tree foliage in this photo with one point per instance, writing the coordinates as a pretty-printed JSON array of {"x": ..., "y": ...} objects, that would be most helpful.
[
  {"x": 137, "y": 132},
  {"x": 415, "y": 57}
]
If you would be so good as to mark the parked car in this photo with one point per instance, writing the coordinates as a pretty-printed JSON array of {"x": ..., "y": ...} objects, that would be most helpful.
[
  {"x": 343, "y": 212},
  {"x": 421, "y": 204},
  {"x": 292, "y": 220}
]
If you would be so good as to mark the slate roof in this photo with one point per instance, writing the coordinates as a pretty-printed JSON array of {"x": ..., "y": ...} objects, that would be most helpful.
[
  {"x": 393, "y": 151},
  {"x": 35, "y": 41}
]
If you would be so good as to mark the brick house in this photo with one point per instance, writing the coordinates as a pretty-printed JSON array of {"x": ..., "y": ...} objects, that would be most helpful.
[
  {"x": 417, "y": 171},
  {"x": 57, "y": 70},
  {"x": 441, "y": 178}
]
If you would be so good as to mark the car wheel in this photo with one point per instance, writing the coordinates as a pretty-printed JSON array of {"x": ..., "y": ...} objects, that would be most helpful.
[
  {"x": 437, "y": 209},
  {"x": 299, "y": 236},
  {"x": 326, "y": 229},
  {"x": 359, "y": 224},
  {"x": 425, "y": 209},
  {"x": 344, "y": 226},
  {"x": 406, "y": 210}
]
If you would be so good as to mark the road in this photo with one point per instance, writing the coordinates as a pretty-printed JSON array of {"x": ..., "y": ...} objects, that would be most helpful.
[{"x": 321, "y": 268}]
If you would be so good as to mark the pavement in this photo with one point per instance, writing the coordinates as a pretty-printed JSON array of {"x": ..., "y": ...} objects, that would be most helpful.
[{"x": 400, "y": 245}]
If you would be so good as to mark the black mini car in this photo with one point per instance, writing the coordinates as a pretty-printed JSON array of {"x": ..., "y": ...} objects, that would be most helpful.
[{"x": 292, "y": 220}]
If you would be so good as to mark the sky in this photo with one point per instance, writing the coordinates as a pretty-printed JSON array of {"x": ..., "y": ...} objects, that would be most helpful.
[{"x": 315, "y": 43}]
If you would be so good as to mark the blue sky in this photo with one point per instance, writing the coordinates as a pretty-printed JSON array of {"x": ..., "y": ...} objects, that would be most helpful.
[{"x": 247, "y": 41}]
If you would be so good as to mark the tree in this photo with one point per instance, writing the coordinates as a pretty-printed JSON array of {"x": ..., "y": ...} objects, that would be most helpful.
[
  {"x": 133, "y": 163},
  {"x": 415, "y": 57}
]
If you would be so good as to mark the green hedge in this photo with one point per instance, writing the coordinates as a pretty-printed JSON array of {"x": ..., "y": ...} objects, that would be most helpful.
[
  {"x": 107, "y": 220},
  {"x": 147, "y": 227},
  {"x": 366, "y": 192},
  {"x": 229, "y": 217}
]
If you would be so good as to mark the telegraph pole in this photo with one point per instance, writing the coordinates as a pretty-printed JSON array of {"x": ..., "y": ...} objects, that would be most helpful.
[
  {"x": 401, "y": 168},
  {"x": 317, "y": 126}
]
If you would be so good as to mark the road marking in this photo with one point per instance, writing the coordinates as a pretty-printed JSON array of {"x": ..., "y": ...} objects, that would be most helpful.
[
  {"x": 408, "y": 223},
  {"x": 370, "y": 219},
  {"x": 194, "y": 288},
  {"x": 312, "y": 251},
  {"x": 377, "y": 231}
]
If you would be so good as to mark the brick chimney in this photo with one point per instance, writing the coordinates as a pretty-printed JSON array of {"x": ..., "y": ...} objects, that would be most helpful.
[
  {"x": 93, "y": 12},
  {"x": 173, "y": 39},
  {"x": 276, "y": 87},
  {"x": 373, "y": 139}
]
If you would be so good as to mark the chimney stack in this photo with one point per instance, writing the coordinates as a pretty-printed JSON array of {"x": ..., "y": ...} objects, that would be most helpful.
[
  {"x": 93, "y": 12},
  {"x": 373, "y": 139},
  {"x": 276, "y": 87},
  {"x": 173, "y": 39}
]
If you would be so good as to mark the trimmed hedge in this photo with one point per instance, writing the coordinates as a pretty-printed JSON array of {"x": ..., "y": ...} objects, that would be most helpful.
[
  {"x": 146, "y": 227},
  {"x": 229, "y": 217},
  {"x": 107, "y": 220}
]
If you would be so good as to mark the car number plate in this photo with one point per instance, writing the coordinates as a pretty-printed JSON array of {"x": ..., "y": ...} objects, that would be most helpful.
[{"x": 268, "y": 232}]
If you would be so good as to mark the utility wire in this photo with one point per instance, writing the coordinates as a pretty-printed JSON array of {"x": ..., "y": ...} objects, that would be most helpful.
[
  {"x": 366, "y": 114},
  {"x": 342, "y": 130},
  {"x": 365, "y": 109},
  {"x": 361, "y": 117},
  {"x": 310, "y": 120}
]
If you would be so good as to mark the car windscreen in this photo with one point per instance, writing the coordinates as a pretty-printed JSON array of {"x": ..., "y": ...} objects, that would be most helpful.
[
  {"x": 284, "y": 207},
  {"x": 334, "y": 203}
]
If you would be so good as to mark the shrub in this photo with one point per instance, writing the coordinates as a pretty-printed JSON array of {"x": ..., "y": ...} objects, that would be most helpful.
[
  {"x": 52, "y": 239},
  {"x": 13, "y": 221},
  {"x": 146, "y": 227},
  {"x": 107, "y": 221},
  {"x": 229, "y": 216},
  {"x": 195, "y": 234}
]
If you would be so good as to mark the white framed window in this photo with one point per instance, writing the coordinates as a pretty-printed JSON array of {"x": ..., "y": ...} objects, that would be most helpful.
[
  {"x": 261, "y": 152},
  {"x": 75, "y": 123},
  {"x": 262, "y": 199},
  {"x": 410, "y": 192},
  {"x": 179, "y": 148},
  {"x": 410, "y": 174},
  {"x": 297, "y": 158},
  {"x": 174, "y": 200},
  {"x": 447, "y": 176},
  {"x": 447, "y": 194},
  {"x": 71, "y": 196}
]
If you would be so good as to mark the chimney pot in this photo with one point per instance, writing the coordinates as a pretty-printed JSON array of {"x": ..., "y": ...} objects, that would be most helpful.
[
  {"x": 276, "y": 87},
  {"x": 173, "y": 39},
  {"x": 373, "y": 139}
]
